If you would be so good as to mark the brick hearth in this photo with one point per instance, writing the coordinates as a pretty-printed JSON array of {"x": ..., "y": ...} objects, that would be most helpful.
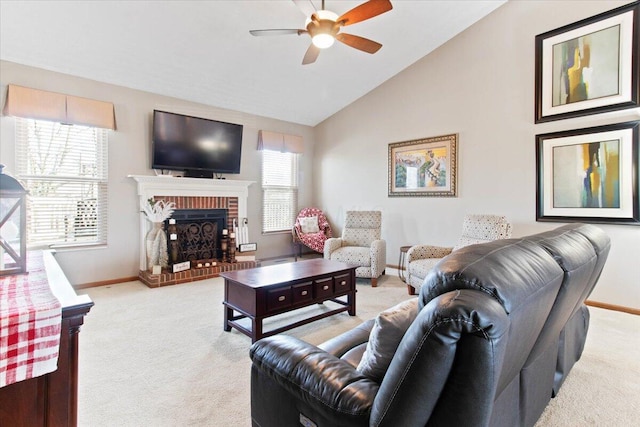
[{"x": 166, "y": 278}]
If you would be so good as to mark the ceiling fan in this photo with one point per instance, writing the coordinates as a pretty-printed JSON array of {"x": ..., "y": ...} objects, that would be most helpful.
[{"x": 324, "y": 27}]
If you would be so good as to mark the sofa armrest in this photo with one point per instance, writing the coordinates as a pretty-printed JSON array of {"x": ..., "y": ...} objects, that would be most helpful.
[
  {"x": 331, "y": 245},
  {"x": 318, "y": 379},
  {"x": 341, "y": 344},
  {"x": 427, "y": 251},
  {"x": 378, "y": 257}
]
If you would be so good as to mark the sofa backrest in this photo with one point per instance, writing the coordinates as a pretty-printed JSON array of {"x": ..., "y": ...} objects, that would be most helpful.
[
  {"x": 521, "y": 275},
  {"x": 482, "y": 229},
  {"x": 581, "y": 251},
  {"x": 460, "y": 348},
  {"x": 456, "y": 353}
]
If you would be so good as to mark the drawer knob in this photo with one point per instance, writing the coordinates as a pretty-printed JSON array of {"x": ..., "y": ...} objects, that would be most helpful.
[
  {"x": 304, "y": 292},
  {"x": 344, "y": 282},
  {"x": 282, "y": 298},
  {"x": 325, "y": 287}
]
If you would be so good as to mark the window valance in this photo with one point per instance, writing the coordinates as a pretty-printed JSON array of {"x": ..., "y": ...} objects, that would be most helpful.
[
  {"x": 276, "y": 141},
  {"x": 43, "y": 105}
]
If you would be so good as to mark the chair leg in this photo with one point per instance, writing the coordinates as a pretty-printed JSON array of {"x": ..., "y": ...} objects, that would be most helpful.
[
  {"x": 411, "y": 290},
  {"x": 374, "y": 282}
]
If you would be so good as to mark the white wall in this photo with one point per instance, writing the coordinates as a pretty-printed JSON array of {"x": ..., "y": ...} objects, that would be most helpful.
[
  {"x": 129, "y": 154},
  {"x": 481, "y": 86}
]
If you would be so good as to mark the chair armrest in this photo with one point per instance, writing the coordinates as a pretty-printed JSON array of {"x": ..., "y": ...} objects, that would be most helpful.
[
  {"x": 329, "y": 385},
  {"x": 331, "y": 245},
  {"x": 378, "y": 257},
  {"x": 427, "y": 251}
]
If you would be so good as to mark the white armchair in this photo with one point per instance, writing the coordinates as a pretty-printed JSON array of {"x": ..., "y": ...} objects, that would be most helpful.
[
  {"x": 361, "y": 244},
  {"x": 475, "y": 229}
]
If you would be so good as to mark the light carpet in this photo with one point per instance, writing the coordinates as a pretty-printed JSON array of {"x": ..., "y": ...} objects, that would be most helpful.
[{"x": 160, "y": 357}]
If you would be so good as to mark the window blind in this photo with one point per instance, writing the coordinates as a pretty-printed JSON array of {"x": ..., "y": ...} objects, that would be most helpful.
[
  {"x": 276, "y": 141},
  {"x": 279, "y": 190},
  {"x": 40, "y": 104},
  {"x": 65, "y": 170}
]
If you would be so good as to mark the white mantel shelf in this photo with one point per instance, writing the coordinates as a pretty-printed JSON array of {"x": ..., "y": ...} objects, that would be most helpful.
[{"x": 150, "y": 186}]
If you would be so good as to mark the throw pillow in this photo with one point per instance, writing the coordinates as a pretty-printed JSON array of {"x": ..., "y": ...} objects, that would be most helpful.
[
  {"x": 309, "y": 224},
  {"x": 387, "y": 332}
]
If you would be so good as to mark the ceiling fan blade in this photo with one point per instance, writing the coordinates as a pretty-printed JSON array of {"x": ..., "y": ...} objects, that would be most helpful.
[
  {"x": 365, "y": 11},
  {"x": 306, "y": 7},
  {"x": 311, "y": 55},
  {"x": 277, "y": 32},
  {"x": 359, "y": 43}
]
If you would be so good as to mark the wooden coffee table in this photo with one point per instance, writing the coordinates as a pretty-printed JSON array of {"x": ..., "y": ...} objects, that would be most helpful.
[{"x": 258, "y": 293}]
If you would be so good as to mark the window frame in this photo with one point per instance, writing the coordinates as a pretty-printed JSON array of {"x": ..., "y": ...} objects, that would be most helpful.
[
  {"x": 286, "y": 182},
  {"x": 83, "y": 221}
]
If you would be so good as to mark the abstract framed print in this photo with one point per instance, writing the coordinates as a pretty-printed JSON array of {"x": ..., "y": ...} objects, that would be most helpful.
[
  {"x": 589, "y": 175},
  {"x": 589, "y": 67}
]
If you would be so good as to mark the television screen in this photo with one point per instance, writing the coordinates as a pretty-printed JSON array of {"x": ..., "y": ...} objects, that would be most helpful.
[{"x": 200, "y": 147}]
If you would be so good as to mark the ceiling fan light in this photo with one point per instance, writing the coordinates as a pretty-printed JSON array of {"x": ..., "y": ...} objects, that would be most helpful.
[
  {"x": 322, "y": 40},
  {"x": 322, "y": 14}
]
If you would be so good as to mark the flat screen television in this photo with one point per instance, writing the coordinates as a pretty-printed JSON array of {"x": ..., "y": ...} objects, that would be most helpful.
[{"x": 200, "y": 147}]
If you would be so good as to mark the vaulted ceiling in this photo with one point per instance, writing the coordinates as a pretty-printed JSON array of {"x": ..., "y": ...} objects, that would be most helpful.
[{"x": 202, "y": 50}]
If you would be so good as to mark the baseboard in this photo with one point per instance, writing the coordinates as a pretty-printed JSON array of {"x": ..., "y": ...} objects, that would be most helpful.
[
  {"x": 105, "y": 282},
  {"x": 613, "y": 307}
]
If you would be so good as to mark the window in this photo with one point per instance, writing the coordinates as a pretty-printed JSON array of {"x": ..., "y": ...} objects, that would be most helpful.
[
  {"x": 64, "y": 167},
  {"x": 279, "y": 190}
]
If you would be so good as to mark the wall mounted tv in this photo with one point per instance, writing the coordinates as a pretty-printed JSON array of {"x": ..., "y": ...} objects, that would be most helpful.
[{"x": 200, "y": 147}]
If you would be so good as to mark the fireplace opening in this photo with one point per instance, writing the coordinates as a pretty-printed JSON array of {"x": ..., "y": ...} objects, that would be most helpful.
[{"x": 199, "y": 232}]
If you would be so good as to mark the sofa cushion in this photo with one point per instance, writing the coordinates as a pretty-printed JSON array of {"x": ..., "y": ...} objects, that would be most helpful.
[
  {"x": 353, "y": 255},
  {"x": 309, "y": 224},
  {"x": 387, "y": 332},
  {"x": 421, "y": 267}
]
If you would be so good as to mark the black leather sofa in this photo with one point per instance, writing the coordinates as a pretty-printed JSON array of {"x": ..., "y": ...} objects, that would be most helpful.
[{"x": 498, "y": 329}]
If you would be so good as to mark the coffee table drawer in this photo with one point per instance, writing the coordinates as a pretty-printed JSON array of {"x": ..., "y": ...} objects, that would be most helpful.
[
  {"x": 279, "y": 298},
  {"x": 323, "y": 287},
  {"x": 302, "y": 292},
  {"x": 342, "y": 283}
]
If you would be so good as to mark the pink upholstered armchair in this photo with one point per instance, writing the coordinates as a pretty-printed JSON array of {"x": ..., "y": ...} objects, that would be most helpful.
[
  {"x": 311, "y": 229},
  {"x": 361, "y": 244},
  {"x": 475, "y": 229}
]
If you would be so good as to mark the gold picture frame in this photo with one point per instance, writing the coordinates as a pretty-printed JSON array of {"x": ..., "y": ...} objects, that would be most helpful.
[{"x": 424, "y": 167}]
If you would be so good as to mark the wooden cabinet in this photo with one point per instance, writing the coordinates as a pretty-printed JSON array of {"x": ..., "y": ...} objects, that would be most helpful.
[{"x": 51, "y": 399}]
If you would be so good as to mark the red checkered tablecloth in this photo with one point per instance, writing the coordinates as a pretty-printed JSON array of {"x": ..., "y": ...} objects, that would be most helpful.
[{"x": 30, "y": 322}]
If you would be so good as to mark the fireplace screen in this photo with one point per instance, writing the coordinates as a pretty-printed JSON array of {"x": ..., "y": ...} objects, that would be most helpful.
[{"x": 199, "y": 232}]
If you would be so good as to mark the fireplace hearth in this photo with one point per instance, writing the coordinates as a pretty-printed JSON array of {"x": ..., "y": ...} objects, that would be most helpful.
[{"x": 192, "y": 194}]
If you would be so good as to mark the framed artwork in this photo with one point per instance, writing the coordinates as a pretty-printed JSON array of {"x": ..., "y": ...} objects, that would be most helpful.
[
  {"x": 589, "y": 175},
  {"x": 423, "y": 167},
  {"x": 590, "y": 66}
]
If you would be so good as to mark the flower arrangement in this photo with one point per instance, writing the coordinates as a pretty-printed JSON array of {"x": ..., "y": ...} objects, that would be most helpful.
[{"x": 157, "y": 211}]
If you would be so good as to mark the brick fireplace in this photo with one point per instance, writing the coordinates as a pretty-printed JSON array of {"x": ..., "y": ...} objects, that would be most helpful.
[{"x": 191, "y": 194}]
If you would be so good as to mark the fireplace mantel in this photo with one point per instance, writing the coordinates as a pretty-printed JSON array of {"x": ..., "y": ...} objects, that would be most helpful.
[{"x": 150, "y": 186}]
